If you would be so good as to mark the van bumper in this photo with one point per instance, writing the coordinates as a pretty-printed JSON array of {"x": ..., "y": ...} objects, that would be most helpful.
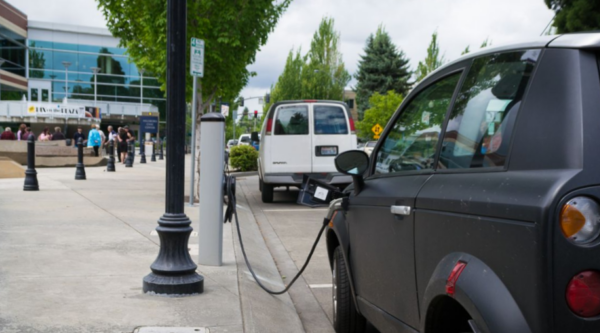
[{"x": 295, "y": 179}]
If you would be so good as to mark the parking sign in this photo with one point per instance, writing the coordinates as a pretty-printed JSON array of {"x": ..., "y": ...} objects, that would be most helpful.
[{"x": 197, "y": 57}]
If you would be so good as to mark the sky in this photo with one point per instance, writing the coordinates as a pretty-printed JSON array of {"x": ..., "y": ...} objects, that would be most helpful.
[{"x": 410, "y": 23}]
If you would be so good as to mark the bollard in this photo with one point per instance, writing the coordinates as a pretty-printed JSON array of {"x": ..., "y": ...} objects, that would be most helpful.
[
  {"x": 80, "y": 169},
  {"x": 160, "y": 154},
  {"x": 129, "y": 158},
  {"x": 132, "y": 152},
  {"x": 31, "y": 182},
  {"x": 143, "y": 151},
  {"x": 210, "y": 232},
  {"x": 110, "y": 167},
  {"x": 153, "y": 159}
]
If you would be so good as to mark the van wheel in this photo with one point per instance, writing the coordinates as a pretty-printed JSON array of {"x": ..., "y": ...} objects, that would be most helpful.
[
  {"x": 345, "y": 317},
  {"x": 260, "y": 184},
  {"x": 267, "y": 193}
]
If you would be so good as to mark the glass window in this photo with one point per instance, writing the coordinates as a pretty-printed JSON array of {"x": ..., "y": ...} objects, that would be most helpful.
[
  {"x": 411, "y": 144},
  {"x": 330, "y": 120},
  {"x": 292, "y": 120},
  {"x": 34, "y": 94},
  {"x": 480, "y": 126}
]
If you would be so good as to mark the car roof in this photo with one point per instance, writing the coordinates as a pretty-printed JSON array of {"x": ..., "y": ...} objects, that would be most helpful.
[{"x": 575, "y": 40}]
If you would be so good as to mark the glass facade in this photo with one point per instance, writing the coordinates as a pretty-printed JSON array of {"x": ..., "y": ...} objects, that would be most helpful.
[
  {"x": 12, "y": 51},
  {"x": 118, "y": 80}
]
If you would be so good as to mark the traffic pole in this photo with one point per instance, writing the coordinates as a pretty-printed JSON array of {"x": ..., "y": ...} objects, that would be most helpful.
[{"x": 193, "y": 162}]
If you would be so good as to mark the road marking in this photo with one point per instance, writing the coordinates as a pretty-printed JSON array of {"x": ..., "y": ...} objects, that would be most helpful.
[
  {"x": 317, "y": 286},
  {"x": 296, "y": 210}
]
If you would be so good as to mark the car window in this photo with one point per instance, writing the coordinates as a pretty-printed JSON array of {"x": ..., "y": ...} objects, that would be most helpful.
[
  {"x": 330, "y": 120},
  {"x": 246, "y": 139},
  {"x": 411, "y": 143},
  {"x": 482, "y": 119},
  {"x": 371, "y": 144},
  {"x": 292, "y": 120}
]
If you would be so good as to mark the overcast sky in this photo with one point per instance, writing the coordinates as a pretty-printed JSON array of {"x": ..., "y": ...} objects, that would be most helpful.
[{"x": 410, "y": 24}]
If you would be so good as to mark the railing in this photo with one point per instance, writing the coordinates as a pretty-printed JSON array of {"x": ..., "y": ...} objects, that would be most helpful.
[{"x": 71, "y": 109}]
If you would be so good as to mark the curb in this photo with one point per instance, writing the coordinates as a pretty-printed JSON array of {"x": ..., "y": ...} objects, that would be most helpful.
[{"x": 261, "y": 311}]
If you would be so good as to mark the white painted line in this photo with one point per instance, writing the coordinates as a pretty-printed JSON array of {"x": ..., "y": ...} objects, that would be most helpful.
[
  {"x": 316, "y": 286},
  {"x": 296, "y": 210}
]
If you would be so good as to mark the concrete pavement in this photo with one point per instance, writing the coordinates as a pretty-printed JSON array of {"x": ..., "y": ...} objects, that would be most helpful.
[{"x": 73, "y": 255}]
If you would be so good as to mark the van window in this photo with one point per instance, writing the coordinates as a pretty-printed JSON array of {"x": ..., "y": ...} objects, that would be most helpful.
[
  {"x": 330, "y": 120},
  {"x": 292, "y": 120},
  {"x": 482, "y": 119}
]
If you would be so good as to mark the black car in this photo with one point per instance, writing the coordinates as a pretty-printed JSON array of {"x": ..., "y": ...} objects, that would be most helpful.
[{"x": 478, "y": 208}]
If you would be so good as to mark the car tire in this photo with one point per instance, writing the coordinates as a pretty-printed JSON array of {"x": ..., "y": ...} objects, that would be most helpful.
[
  {"x": 267, "y": 193},
  {"x": 345, "y": 317}
]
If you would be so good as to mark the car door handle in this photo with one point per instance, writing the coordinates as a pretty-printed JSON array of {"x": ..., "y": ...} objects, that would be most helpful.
[{"x": 400, "y": 210}]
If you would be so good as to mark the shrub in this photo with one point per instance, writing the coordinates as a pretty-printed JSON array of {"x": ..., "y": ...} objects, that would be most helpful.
[{"x": 244, "y": 158}]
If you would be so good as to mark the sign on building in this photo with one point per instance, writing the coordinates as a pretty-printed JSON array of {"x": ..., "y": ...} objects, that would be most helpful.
[
  {"x": 197, "y": 57},
  {"x": 55, "y": 110},
  {"x": 148, "y": 124}
]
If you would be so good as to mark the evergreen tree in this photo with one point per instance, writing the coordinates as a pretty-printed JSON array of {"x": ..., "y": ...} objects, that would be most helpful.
[
  {"x": 381, "y": 69},
  {"x": 575, "y": 15},
  {"x": 433, "y": 59}
]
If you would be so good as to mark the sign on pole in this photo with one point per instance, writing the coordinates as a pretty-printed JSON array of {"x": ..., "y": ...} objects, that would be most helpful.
[
  {"x": 225, "y": 109},
  {"x": 377, "y": 129},
  {"x": 197, "y": 57}
]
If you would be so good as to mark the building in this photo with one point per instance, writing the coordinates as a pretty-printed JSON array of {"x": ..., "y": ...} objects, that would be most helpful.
[{"x": 54, "y": 74}]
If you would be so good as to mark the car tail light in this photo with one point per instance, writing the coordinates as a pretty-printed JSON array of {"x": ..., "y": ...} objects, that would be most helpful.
[
  {"x": 352, "y": 129},
  {"x": 583, "y": 294},
  {"x": 580, "y": 220},
  {"x": 269, "y": 126},
  {"x": 453, "y": 277}
]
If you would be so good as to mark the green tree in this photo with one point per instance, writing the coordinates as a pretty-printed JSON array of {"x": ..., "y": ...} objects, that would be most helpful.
[
  {"x": 433, "y": 59},
  {"x": 382, "y": 108},
  {"x": 575, "y": 15},
  {"x": 382, "y": 68}
]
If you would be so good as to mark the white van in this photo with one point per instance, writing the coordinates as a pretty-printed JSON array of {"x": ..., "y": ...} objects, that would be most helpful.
[{"x": 303, "y": 137}]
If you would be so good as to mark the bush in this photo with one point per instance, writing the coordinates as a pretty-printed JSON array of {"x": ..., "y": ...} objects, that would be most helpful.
[{"x": 244, "y": 158}]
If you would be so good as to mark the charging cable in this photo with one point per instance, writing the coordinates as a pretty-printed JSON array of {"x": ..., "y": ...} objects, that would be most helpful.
[{"x": 232, "y": 211}]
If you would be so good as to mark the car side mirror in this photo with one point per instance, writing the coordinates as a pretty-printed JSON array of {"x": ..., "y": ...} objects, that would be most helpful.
[
  {"x": 354, "y": 163},
  {"x": 254, "y": 137}
]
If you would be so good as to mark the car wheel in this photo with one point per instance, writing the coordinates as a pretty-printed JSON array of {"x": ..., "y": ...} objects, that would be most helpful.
[
  {"x": 345, "y": 317},
  {"x": 267, "y": 193}
]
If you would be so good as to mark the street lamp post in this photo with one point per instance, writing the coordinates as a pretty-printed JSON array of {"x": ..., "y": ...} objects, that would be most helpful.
[
  {"x": 141, "y": 101},
  {"x": 66, "y": 64},
  {"x": 95, "y": 70},
  {"x": 173, "y": 271},
  {"x": 1, "y": 63}
]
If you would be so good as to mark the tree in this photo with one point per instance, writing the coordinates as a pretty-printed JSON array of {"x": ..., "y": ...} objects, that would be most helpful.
[
  {"x": 382, "y": 108},
  {"x": 232, "y": 31},
  {"x": 575, "y": 15},
  {"x": 37, "y": 62},
  {"x": 485, "y": 43},
  {"x": 433, "y": 59},
  {"x": 382, "y": 68},
  {"x": 289, "y": 83}
]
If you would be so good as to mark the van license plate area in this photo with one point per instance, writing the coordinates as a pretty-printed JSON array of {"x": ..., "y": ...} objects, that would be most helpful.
[{"x": 326, "y": 150}]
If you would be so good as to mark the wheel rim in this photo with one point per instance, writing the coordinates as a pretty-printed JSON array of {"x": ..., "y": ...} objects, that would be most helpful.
[{"x": 334, "y": 290}]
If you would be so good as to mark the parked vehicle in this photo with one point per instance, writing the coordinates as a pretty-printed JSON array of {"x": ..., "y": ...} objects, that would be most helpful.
[
  {"x": 303, "y": 137},
  {"x": 231, "y": 143},
  {"x": 490, "y": 219},
  {"x": 368, "y": 148},
  {"x": 244, "y": 140}
]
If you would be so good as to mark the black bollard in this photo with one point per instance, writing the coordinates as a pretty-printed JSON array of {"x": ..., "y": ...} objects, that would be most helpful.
[
  {"x": 80, "y": 169},
  {"x": 128, "y": 162},
  {"x": 153, "y": 159},
  {"x": 110, "y": 167},
  {"x": 31, "y": 182},
  {"x": 143, "y": 151},
  {"x": 160, "y": 154},
  {"x": 132, "y": 152}
]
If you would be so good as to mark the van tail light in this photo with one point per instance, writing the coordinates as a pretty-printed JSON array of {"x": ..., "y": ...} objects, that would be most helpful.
[
  {"x": 453, "y": 277},
  {"x": 269, "y": 126},
  {"x": 583, "y": 294},
  {"x": 580, "y": 220},
  {"x": 352, "y": 129}
]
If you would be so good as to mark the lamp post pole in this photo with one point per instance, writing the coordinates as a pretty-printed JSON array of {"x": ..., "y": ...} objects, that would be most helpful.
[
  {"x": 1, "y": 63},
  {"x": 140, "y": 134},
  {"x": 173, "y": 271},
  {"x": 66, "y": 64},
  {"x": 95, "y": 70}
]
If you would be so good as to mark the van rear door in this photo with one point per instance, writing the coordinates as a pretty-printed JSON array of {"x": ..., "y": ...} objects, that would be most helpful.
[
  {"x": 290, "y": 148},
  {"x": 332, "y": 135}
]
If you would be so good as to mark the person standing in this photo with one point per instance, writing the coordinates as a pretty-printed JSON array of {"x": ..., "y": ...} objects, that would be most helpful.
[
  {"x": 77, "y": 135},
  {"x": 21, "y": 132},
  {"x": 94, "y": 139},
  {"x": 102, "y": 136},
  {"x": 122, "y": 145},
  {"x": 118, "y": 143},
  {"x": 112, "y": 136},
  {"x": 7, "y": 134},
  {"x": 45, "y": 136},
  {"x": 57, "y": 134},
  {"x": 28, "y": 132}
]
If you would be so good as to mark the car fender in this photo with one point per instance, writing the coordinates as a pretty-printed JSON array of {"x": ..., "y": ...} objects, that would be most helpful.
[
  {"x": 480, "y": 292},
  {"x": 337, "y": 233}
]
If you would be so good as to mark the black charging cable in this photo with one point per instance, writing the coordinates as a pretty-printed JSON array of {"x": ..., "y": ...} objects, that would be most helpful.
[{"x": 232, "y": 212}]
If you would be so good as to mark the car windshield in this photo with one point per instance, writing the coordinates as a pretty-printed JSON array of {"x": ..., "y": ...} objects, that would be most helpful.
[{"x": 245, "y": 139}]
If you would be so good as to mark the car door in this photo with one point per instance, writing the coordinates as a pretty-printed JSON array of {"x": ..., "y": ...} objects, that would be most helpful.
[
  {"x": 290, "y": 149},
  {"x": 380, "y": 217},
  {"x": 331, "y": 135}
]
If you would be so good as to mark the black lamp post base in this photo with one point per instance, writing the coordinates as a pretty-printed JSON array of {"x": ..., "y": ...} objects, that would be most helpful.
[
  {"x": 31, "y": 182},
  {"x": 184, "y": 285},
  {"x": 80, "y": 172},
  {"x": 143, "y": 159}
]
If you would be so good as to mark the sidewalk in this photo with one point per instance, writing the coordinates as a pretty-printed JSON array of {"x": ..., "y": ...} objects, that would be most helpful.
[{"x": 73, "y": 255}]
